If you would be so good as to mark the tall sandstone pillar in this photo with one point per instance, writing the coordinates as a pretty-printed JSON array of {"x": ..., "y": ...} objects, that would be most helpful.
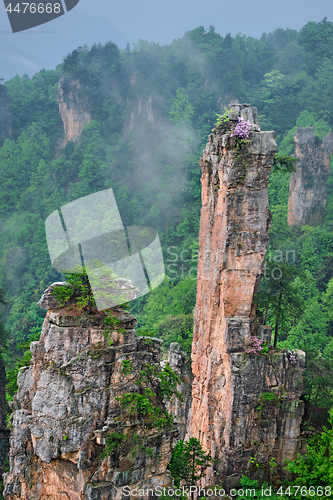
[
  {"x": 307, "y": 188},
  {"x": 233, "y": 241}
]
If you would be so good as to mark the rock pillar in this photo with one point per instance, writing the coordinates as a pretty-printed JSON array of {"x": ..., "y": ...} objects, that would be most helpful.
[
  {"x": 66, "y": 408},
  {"x": 307, "y": 189},
  {"x": 233, "y": 241},
  {"x": 73, "y": 111}
]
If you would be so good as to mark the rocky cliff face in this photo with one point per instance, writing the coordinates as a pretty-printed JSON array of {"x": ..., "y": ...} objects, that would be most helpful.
[
  {"x": 307, "y": 189},
  {"x": 73, "y": 111},
  {"x": 181, "y": 410},
  {"x": 4, "y": 432},
  {"x": 228, "y": 381},
  {"x": 66, "y": 408}
]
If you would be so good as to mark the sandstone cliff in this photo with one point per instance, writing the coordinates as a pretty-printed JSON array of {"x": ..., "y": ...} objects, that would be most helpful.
[
  {"x": 180, "y": 409},
  {"x": 307, "y": 189},
  {"x": 73, "y": 111},
  {"x": 66, "y": 408},
  {"x": 228, "y": 382}
]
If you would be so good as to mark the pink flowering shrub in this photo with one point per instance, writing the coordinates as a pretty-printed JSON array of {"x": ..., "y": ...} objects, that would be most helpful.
[
  {"x": 258, "y": 346},
  {"x": 241, "y": 131},
  {"x": 292, "y": 357}
]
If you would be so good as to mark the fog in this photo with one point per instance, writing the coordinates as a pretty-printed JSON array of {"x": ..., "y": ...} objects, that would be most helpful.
[{"x": 127, "y": 22}]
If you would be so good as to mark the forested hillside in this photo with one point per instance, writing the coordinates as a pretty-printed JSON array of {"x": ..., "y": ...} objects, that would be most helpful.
[{"x": 152, "y": 109}]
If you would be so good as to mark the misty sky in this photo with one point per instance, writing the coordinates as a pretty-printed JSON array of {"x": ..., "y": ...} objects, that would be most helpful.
[{"x": 125, "y": 21}]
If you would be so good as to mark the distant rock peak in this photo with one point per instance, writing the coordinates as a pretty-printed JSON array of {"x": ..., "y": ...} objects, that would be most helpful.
[
  {"x": 73, "y": 111},
  {"x": 307, "y": 188}
]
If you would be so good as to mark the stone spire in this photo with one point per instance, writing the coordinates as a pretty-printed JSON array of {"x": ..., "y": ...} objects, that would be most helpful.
[
  {"x": 307, "y": 189},
  {"x": 233, "y": 241}
]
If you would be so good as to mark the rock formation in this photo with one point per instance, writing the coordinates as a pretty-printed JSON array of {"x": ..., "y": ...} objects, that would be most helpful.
[
  {"x": 4, "y": 432},
  {"x": 144, "y": 111},
  {"x": 180, "y": 409},
  {"x": 307, "y": 189},
  {"x": 66, "y": 407},
  {"x": 73, "y": 111},
  {"x": 228, "y": 381}
]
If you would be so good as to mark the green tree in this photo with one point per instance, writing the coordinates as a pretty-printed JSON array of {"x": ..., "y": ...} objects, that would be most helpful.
[
  {"x": 284, "y": 163},
  {"x": 315, "y": 468},
  {"x": 78, "y": 289},
  {"x": 278, "y": 295},
  {"x": 189, "y": 462},
  {"x": 317, "y": 39},
  {"x": 181, "y": 109}
]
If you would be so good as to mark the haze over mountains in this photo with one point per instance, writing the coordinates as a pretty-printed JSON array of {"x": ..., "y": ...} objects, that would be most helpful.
[{"x": 102, "y": 21}]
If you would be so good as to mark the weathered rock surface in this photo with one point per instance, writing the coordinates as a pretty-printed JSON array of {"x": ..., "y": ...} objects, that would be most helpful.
[
  {"x": 4, "y": 432},
  {"x": 233, "y": 242},
  {"x": 307, "y": 188},
  {"x": 66, "y": 407},
  {"x": 48, "y": 300},
  {"x": 73, "y": 111},
  {"x": 144, "y": 110},
  {"x": 181, "y": 410}
]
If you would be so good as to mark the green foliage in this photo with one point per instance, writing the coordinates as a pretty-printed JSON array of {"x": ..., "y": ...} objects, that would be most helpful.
[
  {"x": 113, "y": 444},
  {"x": 21, "y": 362},
  {"x": 111, "y": 324},
  {"x": 78, "y": 289},
  {"x": 145, "y": 406},
  {"x": 127, "y": 367},
  {"x": 177, "y": 463},
  {"x": 266, "y": 397},
  {"x": 153, "y": 385},
  {"x": 156, "y": 178},
  {"x": 265, "y": 348},
  {"x": 315, "y": 467},
  {"x": 284, "y": 163},
  {"x": 278, "y": 295},
  {"x": 181, "y": 109},
  {"x": 222, "y": 119},
  {"x": 176, "y": 329},
  {"x": 167, "y": 312},
  {"x": 189, "y": 462}
]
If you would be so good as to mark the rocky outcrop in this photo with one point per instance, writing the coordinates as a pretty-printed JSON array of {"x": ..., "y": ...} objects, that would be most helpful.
[
  {"x": 143, "y": 111},
  {"x": 307, "y": 188},
  {"x": 228, "y": 381},
  {"x": 4, "y": 432},
  {"x": 66, "y": 408},
  {"x": 73, "y": 110},
  {"x": 180, "y": 409}
]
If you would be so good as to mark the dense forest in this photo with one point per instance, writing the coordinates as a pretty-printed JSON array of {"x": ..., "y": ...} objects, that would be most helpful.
[{"x": 152, "y": 165}]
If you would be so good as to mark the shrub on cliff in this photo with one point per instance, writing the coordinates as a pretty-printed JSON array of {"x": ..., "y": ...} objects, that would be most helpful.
[
  {"x": 145, "y": 406},
  {"x": 80, "y": 283},
  {"x": 189, "y": 462}
]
